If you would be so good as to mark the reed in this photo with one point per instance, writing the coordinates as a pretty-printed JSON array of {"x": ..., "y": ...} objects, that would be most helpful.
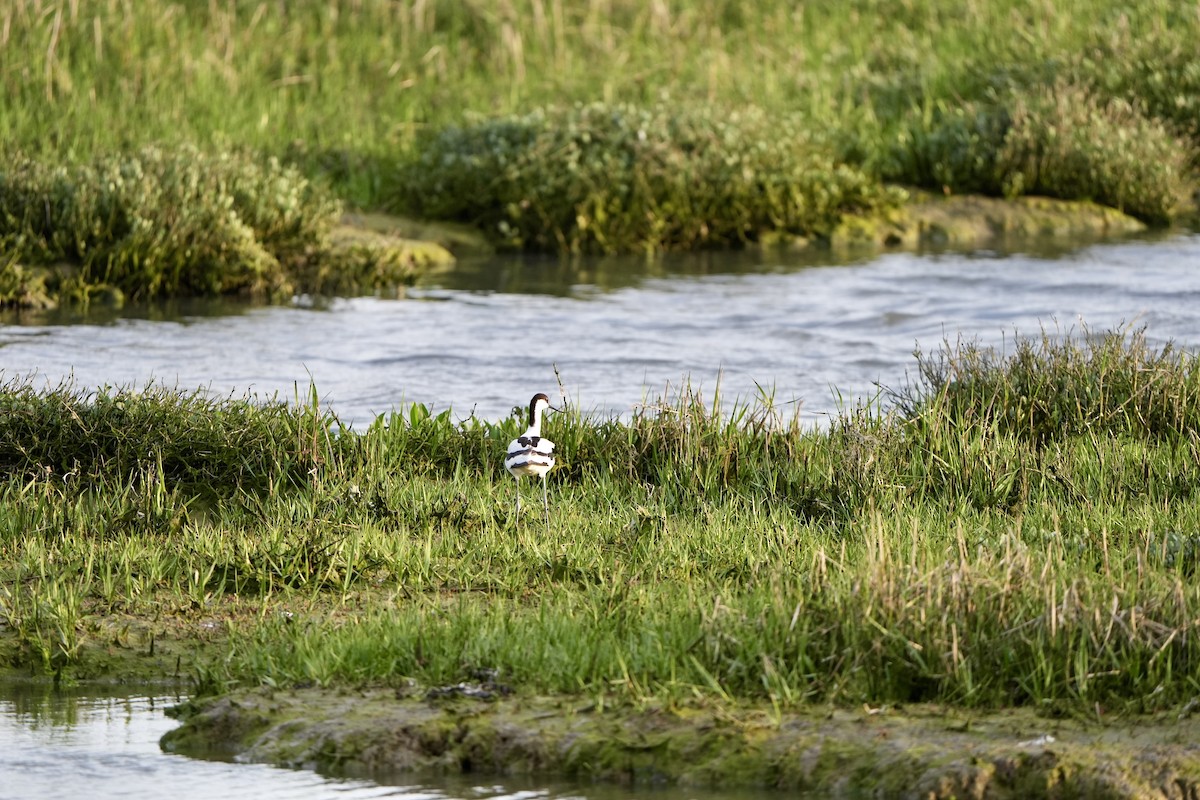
[
  {"x": 1055, "y": 386},
  {"x": 77, "y": 440},
  {"x": 962, "y": 545}
]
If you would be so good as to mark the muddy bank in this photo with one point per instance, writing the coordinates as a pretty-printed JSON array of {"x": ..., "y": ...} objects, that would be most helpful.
[
  {"x": 918, "y": 751},
  {"x": 968, "y": 221},
  {"x": 374, "y": 252},
  {"x": 926, "y": 221}
]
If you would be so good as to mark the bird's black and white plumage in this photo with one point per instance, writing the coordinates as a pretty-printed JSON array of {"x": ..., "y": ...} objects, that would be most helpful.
[{"x": 531, "y": 453}]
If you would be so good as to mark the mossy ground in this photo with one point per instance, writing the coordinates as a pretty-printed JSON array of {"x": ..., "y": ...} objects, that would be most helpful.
[
  {"x": 969, "y": 221},
  {"x": 157, "y": 645},
  {"x": 484, "y": 728},
  {"x": 372, "y": 254},
  {"x": 925, "y": 751}
]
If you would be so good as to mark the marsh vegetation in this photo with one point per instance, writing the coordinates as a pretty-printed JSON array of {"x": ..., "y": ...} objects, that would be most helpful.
[
  {"x": 602, "y": 126},
  {"x": 1009, "y": 530},
  {"x": 1013, "y": 530}
]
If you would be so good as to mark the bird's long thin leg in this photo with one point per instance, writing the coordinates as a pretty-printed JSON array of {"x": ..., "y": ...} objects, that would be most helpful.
[
  {"x": 546, "y": 502},
  {"x": 518, "y": 480}
]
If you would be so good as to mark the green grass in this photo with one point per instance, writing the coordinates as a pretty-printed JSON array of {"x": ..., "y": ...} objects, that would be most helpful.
[
  {"x": 156, "y": 224},
  {"x": 193, "y": 444},
  {"x": 1018, "y": 529},
  {"x": 1090, "y": 99},
  {"x": 1061, "y": 140}
]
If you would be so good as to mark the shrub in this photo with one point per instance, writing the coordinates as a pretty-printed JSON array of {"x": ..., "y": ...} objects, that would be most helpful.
[
  {"x": 1066, "y": 142},
  {"x": 952, "y": 148},
  {"x": 1060, "y": 140},
  {"x": 1158, "y": 70},
  {"x": 156, "y": 223},
  {"x": 614, "y": 178}
]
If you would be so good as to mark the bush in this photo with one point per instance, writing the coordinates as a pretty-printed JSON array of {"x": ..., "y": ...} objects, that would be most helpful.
[
  {"x": 1059, "y": 140},
  {"x": 1159, "y": 70},
  {"x": 157, "y": 223},
  {"x": 614, "y": 178},
  {"x": 952, "y": 148},
  {"x": 1065, "y": 142}
]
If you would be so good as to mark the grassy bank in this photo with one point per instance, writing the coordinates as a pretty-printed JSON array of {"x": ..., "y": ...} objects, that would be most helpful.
[
  {"x": 1019, "y": 531},
  {"x": 625, "y": 126},
  {"x": 155, "y": 224}
]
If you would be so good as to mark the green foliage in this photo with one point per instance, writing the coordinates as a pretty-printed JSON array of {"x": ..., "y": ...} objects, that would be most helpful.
[
  {"x": 615, "y": 178},
  {"x": 155, "y": 224},
  {"x": 345, "y": 89},
  {"x": 1065, "y": 142},
  {"x": 352, "y": 93},
  {"x": 953, "y": 148},
  {"x": 943, "y": 620},
  {"x": 191, "y": 443},
  {"x": 1017, "y": 530},
  {"x": 1155, "y": 69},
  {"x": 1051, "y": 389},
  {"x": 1058, "y": 141}
]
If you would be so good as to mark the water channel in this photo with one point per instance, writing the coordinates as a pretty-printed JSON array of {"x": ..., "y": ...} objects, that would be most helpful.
[
  {"x": 483, "y": 338},
  {"x": 480, "y": 339}
]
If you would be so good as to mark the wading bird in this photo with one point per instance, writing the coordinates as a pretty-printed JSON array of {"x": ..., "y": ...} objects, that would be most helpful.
[{"x": 530, "y": 453}]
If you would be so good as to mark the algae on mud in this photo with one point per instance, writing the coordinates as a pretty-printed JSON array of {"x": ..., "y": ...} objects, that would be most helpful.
[
  {"x": 967, "y": 221},
  {"x": 931, "y": 752}
]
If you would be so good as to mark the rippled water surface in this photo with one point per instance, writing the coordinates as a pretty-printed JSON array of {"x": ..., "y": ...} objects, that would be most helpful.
[
  {"x": 485, "y": 337},
  {"x": 56, "y": 744}
]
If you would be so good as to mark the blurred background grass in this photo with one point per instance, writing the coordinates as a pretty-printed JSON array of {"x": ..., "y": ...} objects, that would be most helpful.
[{"x": 345, "y": 88}]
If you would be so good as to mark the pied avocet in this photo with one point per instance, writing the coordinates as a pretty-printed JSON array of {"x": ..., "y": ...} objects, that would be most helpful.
[{"x": 531, "y": 453}]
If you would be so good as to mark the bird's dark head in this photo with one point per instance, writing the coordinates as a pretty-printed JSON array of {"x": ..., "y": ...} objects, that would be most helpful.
[{"x": 539, "y": 403}]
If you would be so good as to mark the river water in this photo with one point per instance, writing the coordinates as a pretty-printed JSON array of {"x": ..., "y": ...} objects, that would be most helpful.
[
  {"x": 487, "y": 335},
  {"x": 484, "y": 338}
]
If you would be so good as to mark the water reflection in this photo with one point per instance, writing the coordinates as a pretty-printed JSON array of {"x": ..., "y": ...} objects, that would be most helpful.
[
  {"x": 69, "y": 744},
  {"x": 176, "y": 310},
  {"x": 567, "y": 277}
]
